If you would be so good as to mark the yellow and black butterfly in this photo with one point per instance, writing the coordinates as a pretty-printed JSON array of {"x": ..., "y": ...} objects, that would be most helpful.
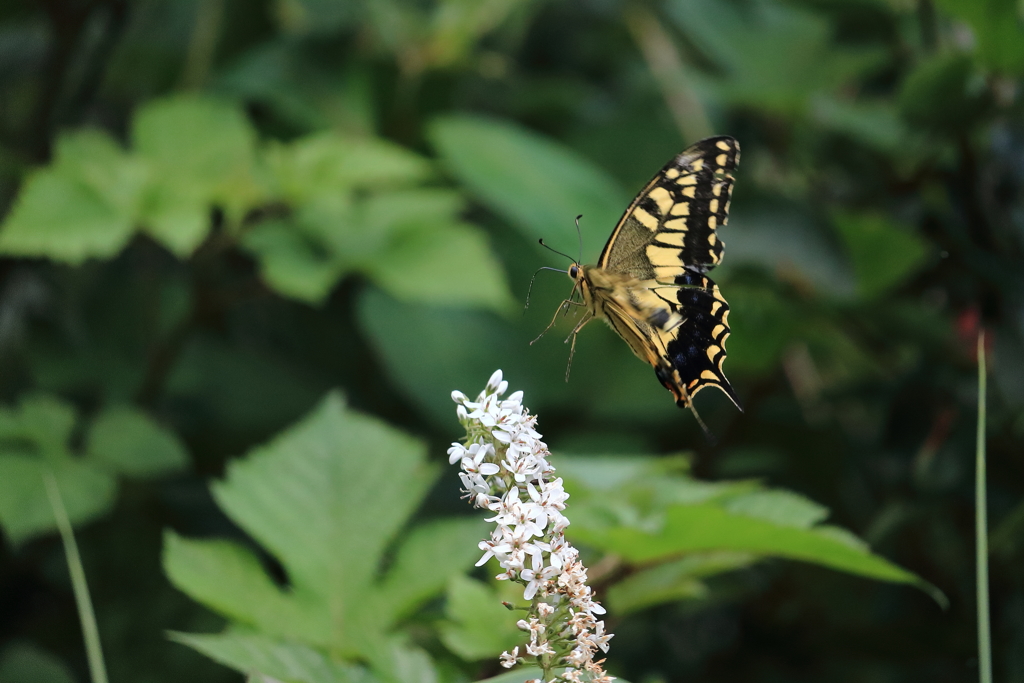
[{"x": 650, "y": 283}]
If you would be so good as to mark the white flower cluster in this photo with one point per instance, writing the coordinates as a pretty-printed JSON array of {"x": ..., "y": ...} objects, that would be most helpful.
[{"x": 505, "y": 470}]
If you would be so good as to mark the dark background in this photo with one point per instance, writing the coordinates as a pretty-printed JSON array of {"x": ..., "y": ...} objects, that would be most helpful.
[{"x": 878, "y": 225}]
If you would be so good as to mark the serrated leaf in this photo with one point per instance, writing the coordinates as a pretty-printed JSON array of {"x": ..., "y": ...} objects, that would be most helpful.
[
  {"x": 229, "y": 579},
  {"x": 535, "y": 183},
  {"x": 317, "y": 499},
  {"x": 327, "y": 497},
  {"x": 289, "y": 662},
  {"x": 129, "y": 442},
  {"x": 478, "y": 626}
]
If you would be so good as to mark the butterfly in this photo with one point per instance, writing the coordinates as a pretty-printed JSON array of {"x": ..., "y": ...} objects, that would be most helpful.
[{"x": 650, "y": 283}]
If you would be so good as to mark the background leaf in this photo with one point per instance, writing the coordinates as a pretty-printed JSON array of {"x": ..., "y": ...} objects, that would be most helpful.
[
  {"x": 535, "y": 184},
  {"x": 87, "y": 491},
  {"x": 210, "y": 217},
  {"x": 478, "y": 624},
  {"x": 128, "y": 442}
]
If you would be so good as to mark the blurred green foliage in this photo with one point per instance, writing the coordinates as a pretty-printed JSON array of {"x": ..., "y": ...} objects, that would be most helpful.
[{"x": 215, "y": 213}]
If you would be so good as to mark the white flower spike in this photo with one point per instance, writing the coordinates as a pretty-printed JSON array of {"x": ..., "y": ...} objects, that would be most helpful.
[{"x": 505, "y": 470}]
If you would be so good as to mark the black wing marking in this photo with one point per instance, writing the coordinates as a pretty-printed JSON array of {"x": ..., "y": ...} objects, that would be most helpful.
[
  {"x": 673, "y": 221},
  {"x": 695, "y": 348}
]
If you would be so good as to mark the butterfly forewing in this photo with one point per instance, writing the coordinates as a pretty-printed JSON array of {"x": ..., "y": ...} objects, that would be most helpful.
[
  {"x": 664, "y": 244},
  {"x": 673, "y": 222}
]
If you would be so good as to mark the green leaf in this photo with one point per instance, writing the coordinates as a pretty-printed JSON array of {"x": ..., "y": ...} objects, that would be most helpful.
[
  {"x": 93, "y": 158},
  {"x": 81, "y": 206},
  {"x": 429, "y": 351},
  {"x": 291, "y": 263},
  {"x": 201, "y": 151},
  {"x": 673, "y": 580},
  {"x": 34, "y": 439},
  {"x": 317, "y": 499},
  {"x": 327, "y": 497},
  {"x": 43, "y": 421},
  {"x": 407, "y": 239},
  {"x": 25, "y": 510},
  {"x": 640, "y": 520},
  {"x": 478, "y": 625},
  {"x": 883, "y": 254},
  {"x": 521, "y": 675},
  {"x": 710, "y": 527},
  {"x": 180, "y": 220},
  {"x": 409, "y": 664},
  {"x": 428, "y": 557},
  {"x": 289, "y": 662},
  {"x": 63, "y": 218},
  {"x": 452, "y": 265},
  {"x": 229, "y": 579},
  {"x": 202, "y": 142},
  {"x": 535, "y": 183},
  {"x": 129, "y": 442},
  {"x": 781, "y": 507},
  {"x": 328, "y": 163}
]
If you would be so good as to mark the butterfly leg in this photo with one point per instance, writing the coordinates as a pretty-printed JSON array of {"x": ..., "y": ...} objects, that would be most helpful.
[
  {"x": 572, "y": 348},
  {"x": 564, "y": 305}
]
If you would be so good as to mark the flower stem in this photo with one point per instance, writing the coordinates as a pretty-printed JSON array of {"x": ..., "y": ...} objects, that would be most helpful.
[{"x": 981, "y": 527}]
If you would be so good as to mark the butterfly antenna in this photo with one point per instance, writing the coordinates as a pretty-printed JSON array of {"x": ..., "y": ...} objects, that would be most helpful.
[
  {"x": 530, "y": 290},
  {"x": 579, "y": 236},
  {"x": 557, "y": 252}
]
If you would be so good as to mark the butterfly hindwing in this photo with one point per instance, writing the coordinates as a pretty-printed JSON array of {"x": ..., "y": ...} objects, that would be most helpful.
[
  {"x": 671, "y": 314},
  {"x": 695, "y": 349}
]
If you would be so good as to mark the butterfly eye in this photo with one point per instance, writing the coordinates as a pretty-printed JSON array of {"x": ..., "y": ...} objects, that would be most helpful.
[{"x": 574, "y": 272}]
